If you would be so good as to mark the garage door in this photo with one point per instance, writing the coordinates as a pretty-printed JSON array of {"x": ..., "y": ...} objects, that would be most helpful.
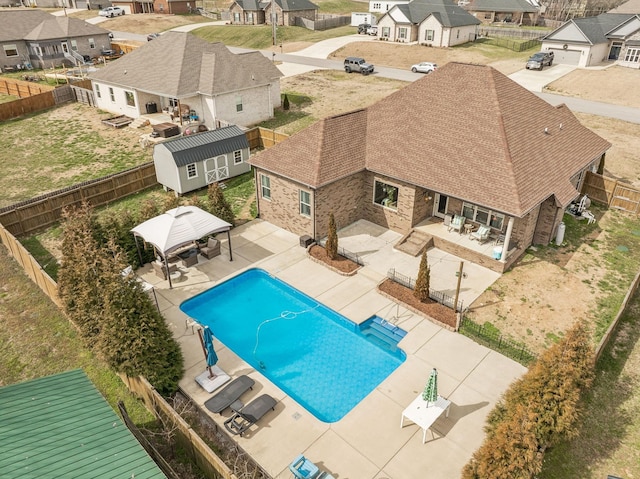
[{"x": 566, "y": 57}]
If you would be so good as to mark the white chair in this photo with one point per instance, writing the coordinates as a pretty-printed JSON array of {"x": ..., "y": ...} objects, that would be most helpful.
[
  {"x": 482, "y": 234},
  {"x": 589, "y": 216},
  {"x": 456, "y": 223}
]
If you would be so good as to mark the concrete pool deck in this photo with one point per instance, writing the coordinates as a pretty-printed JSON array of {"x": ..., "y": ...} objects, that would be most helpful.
[{"x": 368, "y": 442}]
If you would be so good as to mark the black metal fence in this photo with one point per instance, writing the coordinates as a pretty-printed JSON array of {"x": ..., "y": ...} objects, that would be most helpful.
[
  {"x": 409, "y": 282},
  {"x": 355, "y": 257},
  {"x": 511, "y": 44},
  {"x": 492, "y": 338}
]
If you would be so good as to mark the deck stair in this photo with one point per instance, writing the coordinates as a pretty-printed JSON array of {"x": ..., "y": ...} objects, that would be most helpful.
[{"x": 415, "y": 243}]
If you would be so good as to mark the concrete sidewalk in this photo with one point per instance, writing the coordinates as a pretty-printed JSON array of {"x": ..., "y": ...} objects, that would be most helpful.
[{"x": 368, "y": 443}]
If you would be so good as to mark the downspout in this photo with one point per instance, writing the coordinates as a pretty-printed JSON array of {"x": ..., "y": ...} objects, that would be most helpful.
[{"x": 314, "y": 215}]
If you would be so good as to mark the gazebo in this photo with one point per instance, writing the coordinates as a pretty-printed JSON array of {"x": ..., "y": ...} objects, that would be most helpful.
[{"x": 179, "y": 227}]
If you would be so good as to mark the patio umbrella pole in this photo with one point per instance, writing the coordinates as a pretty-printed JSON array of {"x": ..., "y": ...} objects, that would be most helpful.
[
  {"x": 229, "y": 238},
  {"x": 204, "y": 350},
  {"x": 166, "y": 265},
  {"x": 135, "y": 238}
]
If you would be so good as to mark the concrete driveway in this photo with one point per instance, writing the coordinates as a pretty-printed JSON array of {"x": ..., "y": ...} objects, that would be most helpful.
[{"x": 536, "y": 80}]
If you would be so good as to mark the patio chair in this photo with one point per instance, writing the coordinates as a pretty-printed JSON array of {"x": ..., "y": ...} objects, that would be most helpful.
[
  {"x": 456, "y": 223},
  {"x": 303, "y": 468},
  {"x": 230, "y": 394},
  {"x": 161, "y": 270},
  {"x": 211, "y": 249},
  {"x": 250, "y": 414},
  {"x": 482, "y": 234}
]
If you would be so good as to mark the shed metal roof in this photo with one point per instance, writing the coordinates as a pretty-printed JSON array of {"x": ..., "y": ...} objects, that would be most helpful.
[
  {"x": 199, "y": 147},
  {"x": 61, "y": 427}
]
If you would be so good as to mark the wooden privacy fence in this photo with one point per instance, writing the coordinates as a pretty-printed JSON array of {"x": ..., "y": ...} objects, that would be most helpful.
[
  {"x": 42, "y": 211},
  {"x": 30, "y": 265},
  {"x": 22, "y": 89},
  {"x": 36, "y": 102},
  {"x": 263, "y": 137},
  {"x": 611, "y": 192}
]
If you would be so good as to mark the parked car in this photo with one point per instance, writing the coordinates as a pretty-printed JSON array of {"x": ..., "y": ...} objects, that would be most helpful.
[
  {"x": 111, "y": 12},
  {"x": 537, "y": 61},
  {"x": 362, "y": 28},
  {"x": 357, "y": 64},
  {"x": 424, "y": 67},
  {"x": 372, "y": 30}
]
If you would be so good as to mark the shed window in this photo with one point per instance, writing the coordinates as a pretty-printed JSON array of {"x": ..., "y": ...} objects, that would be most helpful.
[
  {"x": 265, "y": 187},
  {"x": 10, "y": 50},
  {"x": 112, "y": 95},
  {"x": 385, "y": 195},
  {"x": 305, "y": 203},
  {"x": 237, "y": 157},
  {"x": 192, "y": 171},
  {"x": 131, "y": 101}
]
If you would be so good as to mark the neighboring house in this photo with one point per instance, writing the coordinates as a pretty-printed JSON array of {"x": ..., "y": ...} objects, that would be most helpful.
[
  {"x": 32, "y": 37},
  {"x": 195, "y": 161},
  {"x": 463, "y": 140},
  {"x": 520, "y": 12},
  {"x": 253, "y": 12},
  {"x": 179, "y": 69},
  {"x": 437, "y": 23},
  {"x": 60, "y": 426},
  {"x": 173, "y": 7},
  {"x": 379, "y": 6},
  {"x": 590, "y": 41}
]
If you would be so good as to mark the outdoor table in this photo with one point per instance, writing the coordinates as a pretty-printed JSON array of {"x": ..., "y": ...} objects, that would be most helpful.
[{"x": 425, "y": 414}]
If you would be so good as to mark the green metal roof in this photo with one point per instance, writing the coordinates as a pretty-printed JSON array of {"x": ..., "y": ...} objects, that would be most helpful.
[{"x": 61, "y": 427}]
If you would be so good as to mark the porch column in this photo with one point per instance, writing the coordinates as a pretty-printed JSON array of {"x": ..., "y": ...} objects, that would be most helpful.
[{"x": 507, "y": 240}]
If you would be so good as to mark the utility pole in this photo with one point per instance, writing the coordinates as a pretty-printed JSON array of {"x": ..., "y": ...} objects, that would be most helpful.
[{"x": 455, "y": 302}]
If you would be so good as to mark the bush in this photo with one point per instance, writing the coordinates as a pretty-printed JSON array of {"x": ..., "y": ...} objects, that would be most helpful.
[
  {"x": 218, "y": 204},
  {"x": 331, "y": 246},
  {"x": 421, "y": 289}
]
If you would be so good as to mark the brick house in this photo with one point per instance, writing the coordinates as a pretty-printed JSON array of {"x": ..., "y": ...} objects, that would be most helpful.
[
  {"x": 464, "y": 140},
  {"x": 172, "y": 7},
  {"x": 254, "y": 12}
]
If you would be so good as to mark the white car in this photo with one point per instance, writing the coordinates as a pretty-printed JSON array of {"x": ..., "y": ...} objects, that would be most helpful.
[
  {"x": 111, "y": 12},
  {"x": 424, "y": 67}
]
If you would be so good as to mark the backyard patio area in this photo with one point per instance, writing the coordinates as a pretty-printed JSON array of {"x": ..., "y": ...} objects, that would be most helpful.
[{"x": 368, "y": 442}]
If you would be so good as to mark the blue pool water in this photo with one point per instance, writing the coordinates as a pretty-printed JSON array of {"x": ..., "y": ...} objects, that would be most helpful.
[{"x": 325, "y": 362}]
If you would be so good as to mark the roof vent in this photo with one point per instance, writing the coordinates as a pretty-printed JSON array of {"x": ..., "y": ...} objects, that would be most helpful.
[
  {"x": 561, "y": 126},
  {"x": 546, "y": 130}
]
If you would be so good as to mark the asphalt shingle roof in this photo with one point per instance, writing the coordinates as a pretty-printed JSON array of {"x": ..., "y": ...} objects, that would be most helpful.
[
  {"x": 181, "y": 65},
  {"x": 501, "y": 6},
  {"x": 60, "y": 426},
  {"x": 295, "y": 5},
  {"x": 34, "y": 25},
  {"x": 466, "y": 131},
  {"x": 448, "y": 13},
  {"x": 594, "y": 28}
]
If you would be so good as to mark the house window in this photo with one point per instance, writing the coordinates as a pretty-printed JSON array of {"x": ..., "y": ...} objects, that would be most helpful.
[
  {"x": 98, "y": 94},
  {"x": 237, "y": 157},
  {"x": 35, "y": 48},
  {"x": 92, "y": 43},
  {"x": 385, "y": 195},
  {"x": 250, "y": 18},
  {"x": 55, "y": 49},
  {"x": 487, "y": 16},
  {"x": 173, "y": 102},
  {"x": 377, "y": 6},
  {"x": 632, "y": 55},
  {"x": 192, "y": 171},
  {"x": 385, "y": 32},
  {"x": 239, "y": 104},
  {"x": 483, "y": 216},
  {"x": 458, "y": 34},
  {"x": 402, "y": 33},
  {"x": 428, "y": 35},
  {"x": 131, "y": 101},
  {"x": 265, "y": 187},
  {"x": 74, "y": 45},
  {"x": 112, "y": 95},
  {"x": 10, "y": 50},
  {"x": 305, "y": 203},
  {"x": 236, "y": 17}
]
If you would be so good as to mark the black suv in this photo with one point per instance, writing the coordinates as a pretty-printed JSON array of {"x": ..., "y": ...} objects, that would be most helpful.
[
  {"x": 356, "y": 64},
  {"x": 538, "y": 60}
]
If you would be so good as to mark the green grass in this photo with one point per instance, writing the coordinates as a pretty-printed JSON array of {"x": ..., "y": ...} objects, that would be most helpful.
[
  {"x": 260, "y": 37},
  {"x": 55, "y": 148},
  {"x": 341, "y": 6}
]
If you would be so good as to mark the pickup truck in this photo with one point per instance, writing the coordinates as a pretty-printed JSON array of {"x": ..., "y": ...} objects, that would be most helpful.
[{"x": 537, "y": 61}]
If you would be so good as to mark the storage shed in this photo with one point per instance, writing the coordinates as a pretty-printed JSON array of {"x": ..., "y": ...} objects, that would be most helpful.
[{"x": 192, "y": 162}]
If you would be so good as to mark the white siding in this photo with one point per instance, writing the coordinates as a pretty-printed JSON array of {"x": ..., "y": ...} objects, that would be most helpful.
[
  {"x": 568, "y": 55},
  {"x": 166, "y": 171},
  {"x": 119, "y": 104}
]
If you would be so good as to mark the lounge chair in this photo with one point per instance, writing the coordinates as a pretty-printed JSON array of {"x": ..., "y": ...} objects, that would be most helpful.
[
  {"x": 482, "y": 234},
  {"x": 456, "y": 223},
  {"x": 250, "y": 414},
  {"x": 303, "y": 468},
  {"x": 231, "y": 393},
  {"x": 211, "y": 249}
]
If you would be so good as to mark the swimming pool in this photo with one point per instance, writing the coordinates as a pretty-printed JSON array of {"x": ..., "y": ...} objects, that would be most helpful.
[{"x": 317, "y": 356}]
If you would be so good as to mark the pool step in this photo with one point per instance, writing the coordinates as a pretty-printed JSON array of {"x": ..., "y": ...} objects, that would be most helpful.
[
  {"x": 387, "y": 328},
  {"x": 382, "y": 333},
  {"x": 379, "y": 339}
]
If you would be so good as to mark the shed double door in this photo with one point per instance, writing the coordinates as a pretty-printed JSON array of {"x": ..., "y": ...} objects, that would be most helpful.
[{"x": 216, "y": 169}]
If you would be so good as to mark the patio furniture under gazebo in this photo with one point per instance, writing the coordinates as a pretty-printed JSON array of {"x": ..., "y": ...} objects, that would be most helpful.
[{"x": 179, "y": 227}]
